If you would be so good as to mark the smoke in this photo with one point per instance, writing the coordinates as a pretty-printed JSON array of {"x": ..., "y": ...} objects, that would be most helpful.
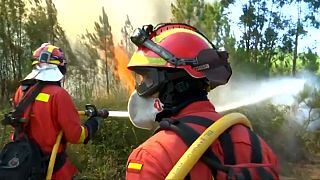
[{"x": 78, "y": 16}]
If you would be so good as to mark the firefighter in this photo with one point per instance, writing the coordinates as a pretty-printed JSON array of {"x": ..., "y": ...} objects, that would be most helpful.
[
  {"x": 54, "y": 110},
  {"x": 176, "y": 66}
]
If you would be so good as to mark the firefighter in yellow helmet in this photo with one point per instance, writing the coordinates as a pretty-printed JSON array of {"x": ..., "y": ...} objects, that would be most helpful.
[{"x": 177, "y": 66}]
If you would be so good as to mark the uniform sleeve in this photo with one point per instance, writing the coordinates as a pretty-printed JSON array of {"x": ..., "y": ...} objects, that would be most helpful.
[
  {"x": 17, "y": 96},
  {"x": 68, "y": 118},
  {"x": 142, "y": 165}
]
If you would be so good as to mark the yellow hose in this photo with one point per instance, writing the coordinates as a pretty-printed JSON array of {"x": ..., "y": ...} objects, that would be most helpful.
[
  {"x": 198, "y": 147},
  {"x": 55, "y": 151},
  {"x": 53, "y": 156},
  {"x": 81, "y": 113}
]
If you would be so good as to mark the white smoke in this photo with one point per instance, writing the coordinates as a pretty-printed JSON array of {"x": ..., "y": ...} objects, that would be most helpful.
[{"x": 77, "y": 16}]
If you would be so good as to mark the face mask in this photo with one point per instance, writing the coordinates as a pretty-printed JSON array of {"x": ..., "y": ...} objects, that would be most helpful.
[{"x": 143, "y": 111}]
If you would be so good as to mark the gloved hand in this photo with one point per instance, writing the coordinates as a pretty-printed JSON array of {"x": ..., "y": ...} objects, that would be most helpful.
[
  {"x": 92, "y": 125},
  {"x": 92, "y": 111}
]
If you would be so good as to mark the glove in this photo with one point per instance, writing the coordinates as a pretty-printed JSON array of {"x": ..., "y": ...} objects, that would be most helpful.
[{"x": 92, "y": 125}]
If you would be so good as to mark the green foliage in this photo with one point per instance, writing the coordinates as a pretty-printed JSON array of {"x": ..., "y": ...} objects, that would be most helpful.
[
  {"x": 12, "y": 45},
  {"x": 102, "y": 40},
  {"x": 4, "y": 131},
  {"x": 261, "y": 24},
  {"x": 308, "y": 101},
  {"x": 310, "y": 61},
  {"x": 210, "y": 19},
  {"x": 126, "y": 31}
]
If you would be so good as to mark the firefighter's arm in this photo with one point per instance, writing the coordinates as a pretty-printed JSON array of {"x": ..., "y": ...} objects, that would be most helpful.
[
  {"x": 92, "y": 126},
  {"x": 17, "y": 97},
  {"x": 70, "y": 123},
  {"x": 143, "y": 165}
]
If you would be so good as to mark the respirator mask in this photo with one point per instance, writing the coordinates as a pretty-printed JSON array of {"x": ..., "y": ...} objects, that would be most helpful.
[{"x": 143, "y": 111}]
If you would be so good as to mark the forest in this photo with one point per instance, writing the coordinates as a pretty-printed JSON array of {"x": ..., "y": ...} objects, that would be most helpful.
[{"x": 267, "y": 49}]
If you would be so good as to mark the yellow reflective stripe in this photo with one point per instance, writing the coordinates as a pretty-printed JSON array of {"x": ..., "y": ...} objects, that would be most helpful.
[
  {"x": 83, "y": 135},
  {"x": 139, "y": 59},
  {"x": 166, "y": 33},
  {"x": 54, "y": 61},
  {"x": 136, "y": 166},
  {"x": 43, "y": 97},
  {"x": 50, "y": 61},
  {"x": 35, "y": 62}
]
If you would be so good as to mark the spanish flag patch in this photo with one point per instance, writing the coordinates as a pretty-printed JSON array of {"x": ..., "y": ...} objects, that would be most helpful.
[{"x": 134, "y": 166}]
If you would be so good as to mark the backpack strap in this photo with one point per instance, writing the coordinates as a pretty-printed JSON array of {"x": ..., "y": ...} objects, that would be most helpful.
[
  {"x": 14, "y": 118},
  {"x": 256, "y": 154},
  {"x": 189, "y": 135},
  {"x": 28, "y": 98},
  {"x": 228, "y": 149}
]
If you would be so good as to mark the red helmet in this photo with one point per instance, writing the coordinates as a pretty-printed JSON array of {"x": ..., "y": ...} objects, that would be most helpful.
[
  {"x": 49, "y": 54},
  {"x": 180, "y": 46},
  {"x": 49, "y": 64}
]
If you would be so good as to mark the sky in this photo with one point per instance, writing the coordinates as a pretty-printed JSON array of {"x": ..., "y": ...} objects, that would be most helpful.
[{"x": 77, "y": 16}]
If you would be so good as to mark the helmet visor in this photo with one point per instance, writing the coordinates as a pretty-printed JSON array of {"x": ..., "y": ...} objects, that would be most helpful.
[{"x": 148, "y": 81}]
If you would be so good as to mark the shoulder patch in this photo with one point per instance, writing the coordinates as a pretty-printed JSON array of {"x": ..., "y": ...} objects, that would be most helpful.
[
  {"x": 43, "y": 97},
  {"x": 134, "y": 166}
]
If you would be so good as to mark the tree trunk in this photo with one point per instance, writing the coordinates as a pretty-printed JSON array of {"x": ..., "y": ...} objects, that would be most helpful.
[
  {"x": 107, "y": 75},
  {"x": 295, "y": 52}
]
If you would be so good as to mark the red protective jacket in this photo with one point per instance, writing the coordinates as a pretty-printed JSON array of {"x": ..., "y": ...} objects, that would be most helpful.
[
  {"x": 53, "y": 111},
  {"x": 156, "y": 157}
]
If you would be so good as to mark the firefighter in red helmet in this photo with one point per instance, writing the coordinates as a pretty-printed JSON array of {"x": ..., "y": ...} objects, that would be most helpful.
[
  {"x": 177, "y": 66},
  {"x": 53, "y": 110}
]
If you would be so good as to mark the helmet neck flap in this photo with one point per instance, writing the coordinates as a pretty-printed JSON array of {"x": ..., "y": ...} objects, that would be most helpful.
[{"x": 177, "y": 94}]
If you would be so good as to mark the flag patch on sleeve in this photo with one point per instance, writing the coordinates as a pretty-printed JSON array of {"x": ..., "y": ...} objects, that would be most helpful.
[{"x": 134, "y": 166}]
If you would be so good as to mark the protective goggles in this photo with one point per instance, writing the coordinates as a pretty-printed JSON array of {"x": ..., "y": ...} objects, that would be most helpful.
[{"x": 150, "y": 80}]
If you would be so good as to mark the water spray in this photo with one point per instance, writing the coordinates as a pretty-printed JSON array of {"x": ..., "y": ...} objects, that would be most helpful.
[
  {"x": 279, "y": 91},
  {"x": 267, "y": 90}
]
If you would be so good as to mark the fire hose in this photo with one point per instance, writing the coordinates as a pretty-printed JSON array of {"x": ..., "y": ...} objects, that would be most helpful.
[
  {"x": 203, "y": 142},
  {"x": 90, "y": 111}
]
